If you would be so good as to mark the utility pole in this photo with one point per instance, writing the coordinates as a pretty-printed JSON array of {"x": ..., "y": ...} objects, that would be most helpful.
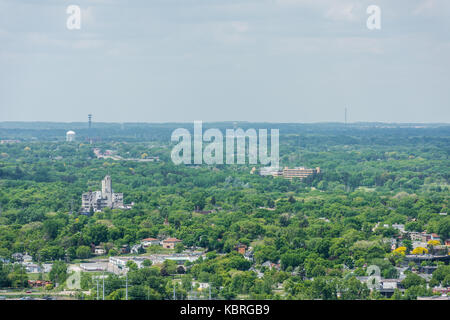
[
  {"x": 97, "y": 288},
  {"x": 126, "y": 287},
  {"x": 209, "y": 286},
  {"x": 103, "y": 286}
]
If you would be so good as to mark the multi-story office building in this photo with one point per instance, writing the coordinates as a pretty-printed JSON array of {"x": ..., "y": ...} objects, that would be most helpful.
[
  {"x": 287, "y": 173},
  {"x": 299, "y": 172},
  {"x": 98, "y": 200}
]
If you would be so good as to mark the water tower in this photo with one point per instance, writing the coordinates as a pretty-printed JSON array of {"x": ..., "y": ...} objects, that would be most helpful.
[{"x": 70, "y": 136}]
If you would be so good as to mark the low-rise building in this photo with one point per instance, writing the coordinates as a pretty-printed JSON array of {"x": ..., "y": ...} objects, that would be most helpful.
[
  {"x": 435, "y": 236},
  {"x": 149, "y": 242},
  {"x": 170, "y": 243},
  {"x": 32, "y": 268},
  {"x": 18, "y": 257},
  {"x": 299, "y": 172},
  {"x": 241, "y": 248},
  {"x": 47, "y": 267},
  {"x": 419, "y": 236},
  {"x": 270, "y": 171},
  {"x": 399, "y": 227},
  {"x": 389, "y": 284},
  {"x": 99, "y": 250},
  {"x": 89, "y": 267},
  {"x": 288, "y": 173},
  {"x": 125, "y": 249}
]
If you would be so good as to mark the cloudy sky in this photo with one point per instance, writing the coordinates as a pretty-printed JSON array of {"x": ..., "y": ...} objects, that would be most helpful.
[{"x": 214, "y": 60}]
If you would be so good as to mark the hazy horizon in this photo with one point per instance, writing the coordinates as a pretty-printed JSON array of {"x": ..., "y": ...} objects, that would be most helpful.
[{"x": 274, "y": 61}]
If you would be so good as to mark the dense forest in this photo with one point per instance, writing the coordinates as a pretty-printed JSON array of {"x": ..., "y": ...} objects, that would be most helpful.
[{"x": 321, "y": 230}]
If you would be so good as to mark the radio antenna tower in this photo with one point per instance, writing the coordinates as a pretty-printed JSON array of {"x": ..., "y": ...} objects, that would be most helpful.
[
  {"x": 345, "y": 116},
  {"x": 90, "y": 120}
]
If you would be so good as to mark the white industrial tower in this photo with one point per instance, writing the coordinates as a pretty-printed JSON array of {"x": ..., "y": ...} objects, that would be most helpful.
[{"x": 70, "y": 136}]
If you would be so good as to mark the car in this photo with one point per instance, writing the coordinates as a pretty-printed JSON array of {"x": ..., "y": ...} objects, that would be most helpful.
[{"x": 29, "y": 291}]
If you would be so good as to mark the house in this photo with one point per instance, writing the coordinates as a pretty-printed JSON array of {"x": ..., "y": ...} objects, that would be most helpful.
[
  {"x": 435, "y": 236},
  {"x": 426, "y": 236},
  {"x": 17, "y": 256},
  {"x": 149, "y": 242},
  {"x": 170, "y": 243},
  {"x": 47, "y": 267},
  {"x": 125, "y": 249},
  {"x": 249, "y": 255},
  {"x": 99, "y": 250},
  {"x": 27, "y": 258},
  {"x": 32, "y": 268},
  {"x": 271, "y": 265},
  {"x": 389, "y": 284},
  {"x": 419, "y": 236},
  {"x": 241, "y": 248},
  {"x": 415, "y": 236}
]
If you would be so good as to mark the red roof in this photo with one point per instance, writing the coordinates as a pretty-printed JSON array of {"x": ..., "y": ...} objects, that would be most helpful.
[
  {"x": 172, "y": 240},
  {"x": 149, "y": 239}
]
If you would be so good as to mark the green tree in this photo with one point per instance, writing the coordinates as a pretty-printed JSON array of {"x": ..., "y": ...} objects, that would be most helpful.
[{"x": 58, "y": 273}]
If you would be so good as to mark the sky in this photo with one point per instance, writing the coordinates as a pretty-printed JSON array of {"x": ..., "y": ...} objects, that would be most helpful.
[{"x": 225, "y": 60}]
